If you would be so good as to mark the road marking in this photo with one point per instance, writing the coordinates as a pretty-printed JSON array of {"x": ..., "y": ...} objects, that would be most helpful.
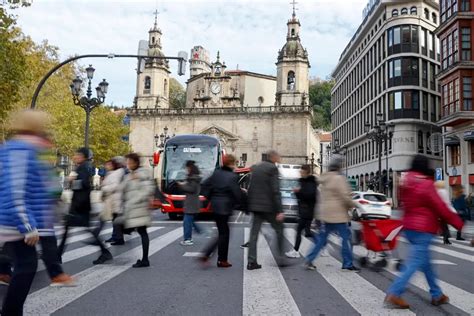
[
  {"x": 192, "y": 254},
  {"x": 87, "y": 250},
  {"x": 457, "y": 297},
  {"x": 50, "y": 299},
  {"x": 437, "y": 261},
  {"x": 349, "y": 285},
  {"x": 60, "y": 231},
  {"x": 452, "y": 253},
  {"x": 84, "y": 236},
  {"x": 265, "y": 291},
  {"x": 454, "y": 245}
]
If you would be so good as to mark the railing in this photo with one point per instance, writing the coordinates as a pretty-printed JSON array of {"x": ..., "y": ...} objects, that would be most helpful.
[{"x": 218, "y": 111}]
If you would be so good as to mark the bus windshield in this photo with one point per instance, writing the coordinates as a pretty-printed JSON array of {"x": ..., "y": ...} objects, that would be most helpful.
[{"x": 205, "y": 155}]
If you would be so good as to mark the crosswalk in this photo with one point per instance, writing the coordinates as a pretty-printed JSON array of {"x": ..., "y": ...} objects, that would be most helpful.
[{"x": 268, "y": 291}]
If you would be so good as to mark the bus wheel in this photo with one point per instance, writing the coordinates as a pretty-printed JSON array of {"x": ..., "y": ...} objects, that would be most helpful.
[{"x": 173, "y": 216}]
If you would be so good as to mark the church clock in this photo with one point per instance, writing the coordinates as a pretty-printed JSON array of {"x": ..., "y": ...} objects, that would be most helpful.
[{"x": 215, "y": 87}]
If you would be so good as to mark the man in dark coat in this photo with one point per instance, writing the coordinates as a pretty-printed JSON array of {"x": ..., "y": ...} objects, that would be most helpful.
[
  {"x": 306, "y": 195},
  {"x": 223, "y": 190},
  {"x": 264, "y": 199},
  {"x": 79, "y": 213}
]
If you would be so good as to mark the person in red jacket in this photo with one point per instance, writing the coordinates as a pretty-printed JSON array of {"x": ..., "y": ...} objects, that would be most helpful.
[{"x": 423, "y": 208}]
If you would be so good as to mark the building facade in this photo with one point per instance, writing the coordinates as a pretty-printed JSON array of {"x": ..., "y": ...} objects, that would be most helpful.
[
  {"x": 249, "y": 112},
  {"x": 388, "y": 67},
  {"x": 457, "y": 68}
]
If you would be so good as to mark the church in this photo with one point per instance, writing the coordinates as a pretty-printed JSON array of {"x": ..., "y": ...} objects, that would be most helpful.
[{"x": 249, "y": 112}]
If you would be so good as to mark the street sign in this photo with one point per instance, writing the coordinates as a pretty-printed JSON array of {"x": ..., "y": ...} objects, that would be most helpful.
[
  {"x": 454, "y": 172},
  {"x": 439, "y": 174}
]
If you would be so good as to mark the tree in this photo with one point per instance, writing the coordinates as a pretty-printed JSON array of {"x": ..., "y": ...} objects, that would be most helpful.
[
  {"x": 320, "y": 99},
  {"x": 177, "y": 95}
]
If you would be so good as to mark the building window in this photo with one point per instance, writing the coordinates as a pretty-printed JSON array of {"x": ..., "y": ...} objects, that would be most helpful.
[
  {"x": 428, "y": 150},
  {"x": 466, "y": 6},
  {"x": 455, "y": 155},
  {"x": 264, "y": 157},
  {"x": 291, "y": 81},
  {"x": 404, "y": 104},
  {"x": 434, "y": 17},
  {"x": 423, "y": 40},
  {"x": 260, "y": 100},
  {"x": 448, "y": 8},
  {"x": 421, "y": 148},
  {"x": 425, "y": 106},
  {"x": 394, "y": 12},
  {"x": 471, "y": 147},
  {"x": 424, "y": 73},
  {"x": 427, "y": 14},
  {"x": 165, "y": 88},
  {"x": 403, "y": 71},
  {"x": 413, "y": 11},
  {"x": 451, "y": 97},
  {"x": 450, "y": 47},
  {"x": 402, "y": 39},
  {"x": 467, "y": 93},
  {"x": 466, "y": 43},
  {"x": 404, "y": 11},
  {"x": 432, "y": 77},
  {"x": 147, "y": 88}
]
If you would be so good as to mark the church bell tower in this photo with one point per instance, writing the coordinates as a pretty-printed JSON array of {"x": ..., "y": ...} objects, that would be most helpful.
[
  {"x": 153, "y": 78},
  {"x": 292, "y": 68}
]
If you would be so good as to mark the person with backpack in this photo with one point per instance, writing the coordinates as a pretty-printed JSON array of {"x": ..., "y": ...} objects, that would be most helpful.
[{"x": 306, "y": 195}]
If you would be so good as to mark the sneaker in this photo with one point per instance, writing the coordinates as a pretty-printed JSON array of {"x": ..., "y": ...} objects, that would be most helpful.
[
  {"x": 5, "y": 279},
  {"x": 246, "y": 245},
  {"x": 392, "y": 301},
  {"x": 309, "y": 266},
  {"x": 63, "y": 280},
  {"x": 253, "y": 266},
  {"x": 292, "y": 254},
  {"x": 224, "y": 264},
  {"x": 440, "y": 301},
  {"x": 187, "y": 242},
  {"x": 103, "y": 258},
  {"x": 141, "y": 264},
  {"x": 351, "y": 269}
]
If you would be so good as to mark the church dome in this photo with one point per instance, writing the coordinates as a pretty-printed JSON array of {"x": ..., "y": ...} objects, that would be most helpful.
[{"x": 292, "y": 49}]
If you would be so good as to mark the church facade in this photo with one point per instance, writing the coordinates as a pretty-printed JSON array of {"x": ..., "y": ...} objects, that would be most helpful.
[{"x": 249, "y": 112}]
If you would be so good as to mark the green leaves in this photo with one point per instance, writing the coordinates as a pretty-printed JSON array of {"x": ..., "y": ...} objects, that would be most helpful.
[
  {"x": 177, "y": 95},
  {"x": 320, "y": 99}
]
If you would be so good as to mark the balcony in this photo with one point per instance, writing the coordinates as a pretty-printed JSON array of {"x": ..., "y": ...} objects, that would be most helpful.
[
  {"x": 453, "y": 116},
  {"x": 220, "y": 111}
]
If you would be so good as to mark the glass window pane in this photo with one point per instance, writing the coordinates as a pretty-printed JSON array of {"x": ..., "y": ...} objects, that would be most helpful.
[
  {"x": 396, "y": 35},
  {"x": 397, "y": 68},
  {"x": 398, "y": 100}
]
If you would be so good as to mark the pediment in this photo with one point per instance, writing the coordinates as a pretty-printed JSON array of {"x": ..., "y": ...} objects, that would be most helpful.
[{"x": 225, "y": 136}]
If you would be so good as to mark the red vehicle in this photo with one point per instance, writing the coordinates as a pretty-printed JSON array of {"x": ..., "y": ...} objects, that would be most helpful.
[{"x": 205, "y": 150}]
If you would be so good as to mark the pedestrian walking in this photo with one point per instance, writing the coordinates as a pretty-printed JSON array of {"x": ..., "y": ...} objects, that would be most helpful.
[
  {"x": 111, "y": 196},
  {"x": 223, "y": 191},
  {"x": 444, "y": 194},
  {"x": 24, "y": 199},
  {"x": 422, "y": 208},
  {"x": 334, "y": 214},
  {"x": 459, "y": 203},
  {"x": 79, "y": 212},
  {"x": 264, "y": 199},
  {"x": 192, "y": 204},
  {"x": 137, "y": 193},
  {"x": 306, "y": 195}
]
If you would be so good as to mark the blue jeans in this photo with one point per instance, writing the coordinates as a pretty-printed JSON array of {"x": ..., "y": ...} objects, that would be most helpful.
[
  {"x": 418, "y": 259},
  {"x": 188, "y": 224},
  {"x": 321, "y": 240}
]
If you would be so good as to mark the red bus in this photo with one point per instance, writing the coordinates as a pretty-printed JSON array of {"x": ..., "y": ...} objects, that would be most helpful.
[{"x": 205, "y": 150}]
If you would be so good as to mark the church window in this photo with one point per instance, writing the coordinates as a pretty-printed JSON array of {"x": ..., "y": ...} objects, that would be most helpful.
[
  {"x": 291, "y": 81},
  {"x": 165, "y": 88},
  {"x": 394, "y": 12},
  {"x": 260, "y": 100},
  {"x": 292, "y": 32},
  {"x": 153, "y": 40},
  {"x": 147, "y": 85},
  {"x": 404, "y": 11}
]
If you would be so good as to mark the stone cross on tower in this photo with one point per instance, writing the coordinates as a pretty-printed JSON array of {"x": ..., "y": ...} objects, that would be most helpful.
[
  {"x": 294, "y": 3},
  {"x": 156, "y": 17}
]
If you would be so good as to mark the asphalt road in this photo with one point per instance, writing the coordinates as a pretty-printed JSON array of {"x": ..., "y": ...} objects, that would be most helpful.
[{"x": 176, "y": 284}]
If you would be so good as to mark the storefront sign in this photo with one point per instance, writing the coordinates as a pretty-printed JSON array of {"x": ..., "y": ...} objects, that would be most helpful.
[
  {"x": 404, "y": 140},
  {"x": 454, "y": 180},
  {"x": 471, "y": 179}
]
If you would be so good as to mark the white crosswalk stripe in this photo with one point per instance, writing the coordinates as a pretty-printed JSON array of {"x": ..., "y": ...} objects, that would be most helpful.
[
  {"x": 50, "y": 299},
  {"x": 265, "y": 291},
  {"x": 348, "y": 285},
  {"x": 448, "y": 252},
  {"x": 458, "y": 297}
]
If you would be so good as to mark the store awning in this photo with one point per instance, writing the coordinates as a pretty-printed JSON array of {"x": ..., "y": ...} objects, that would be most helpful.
[
  {"x": 451, "y": 141},
  {"x": 469, "y": 136}
]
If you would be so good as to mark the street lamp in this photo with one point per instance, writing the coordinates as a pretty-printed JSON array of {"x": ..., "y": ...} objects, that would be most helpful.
[
  {"x": 342, "y": 151},
  {"x": 160, "y": 140},
  {"x": 87, "y": 102},
  {"x": 381, "y": 132}
]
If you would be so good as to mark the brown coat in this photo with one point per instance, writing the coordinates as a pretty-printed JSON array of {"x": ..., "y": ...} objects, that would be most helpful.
[{"x": 336, "y": 199}]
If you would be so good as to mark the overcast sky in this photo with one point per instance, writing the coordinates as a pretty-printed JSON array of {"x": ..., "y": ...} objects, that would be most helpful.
[{"x": 247, "y": 33}]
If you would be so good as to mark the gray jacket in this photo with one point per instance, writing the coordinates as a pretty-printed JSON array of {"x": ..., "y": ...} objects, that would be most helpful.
[
  {"x": 264, "y": 194},
  {"x": 192, "y": 188},
  {"x": 138, "y": 190}
]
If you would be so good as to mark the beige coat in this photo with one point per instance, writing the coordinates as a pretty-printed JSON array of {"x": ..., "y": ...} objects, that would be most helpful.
[
  {"x": 112, "y": 194},
  {"x": 336, "y": 199},
  {"x": 138, "y": 191}
]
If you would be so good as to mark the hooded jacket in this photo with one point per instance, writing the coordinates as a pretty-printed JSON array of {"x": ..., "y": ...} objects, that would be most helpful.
[
  {"x": 26, "y": 190},
  {"x": 307, "y": 196}
]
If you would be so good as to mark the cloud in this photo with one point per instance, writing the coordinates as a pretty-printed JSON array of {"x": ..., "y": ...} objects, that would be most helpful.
[{"x": 247, "y": 33}]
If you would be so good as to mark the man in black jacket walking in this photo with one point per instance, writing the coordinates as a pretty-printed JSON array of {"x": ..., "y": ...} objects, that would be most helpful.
[
  {"x": 306, "y": 195},
  {"x": 264, "y": 199}
]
